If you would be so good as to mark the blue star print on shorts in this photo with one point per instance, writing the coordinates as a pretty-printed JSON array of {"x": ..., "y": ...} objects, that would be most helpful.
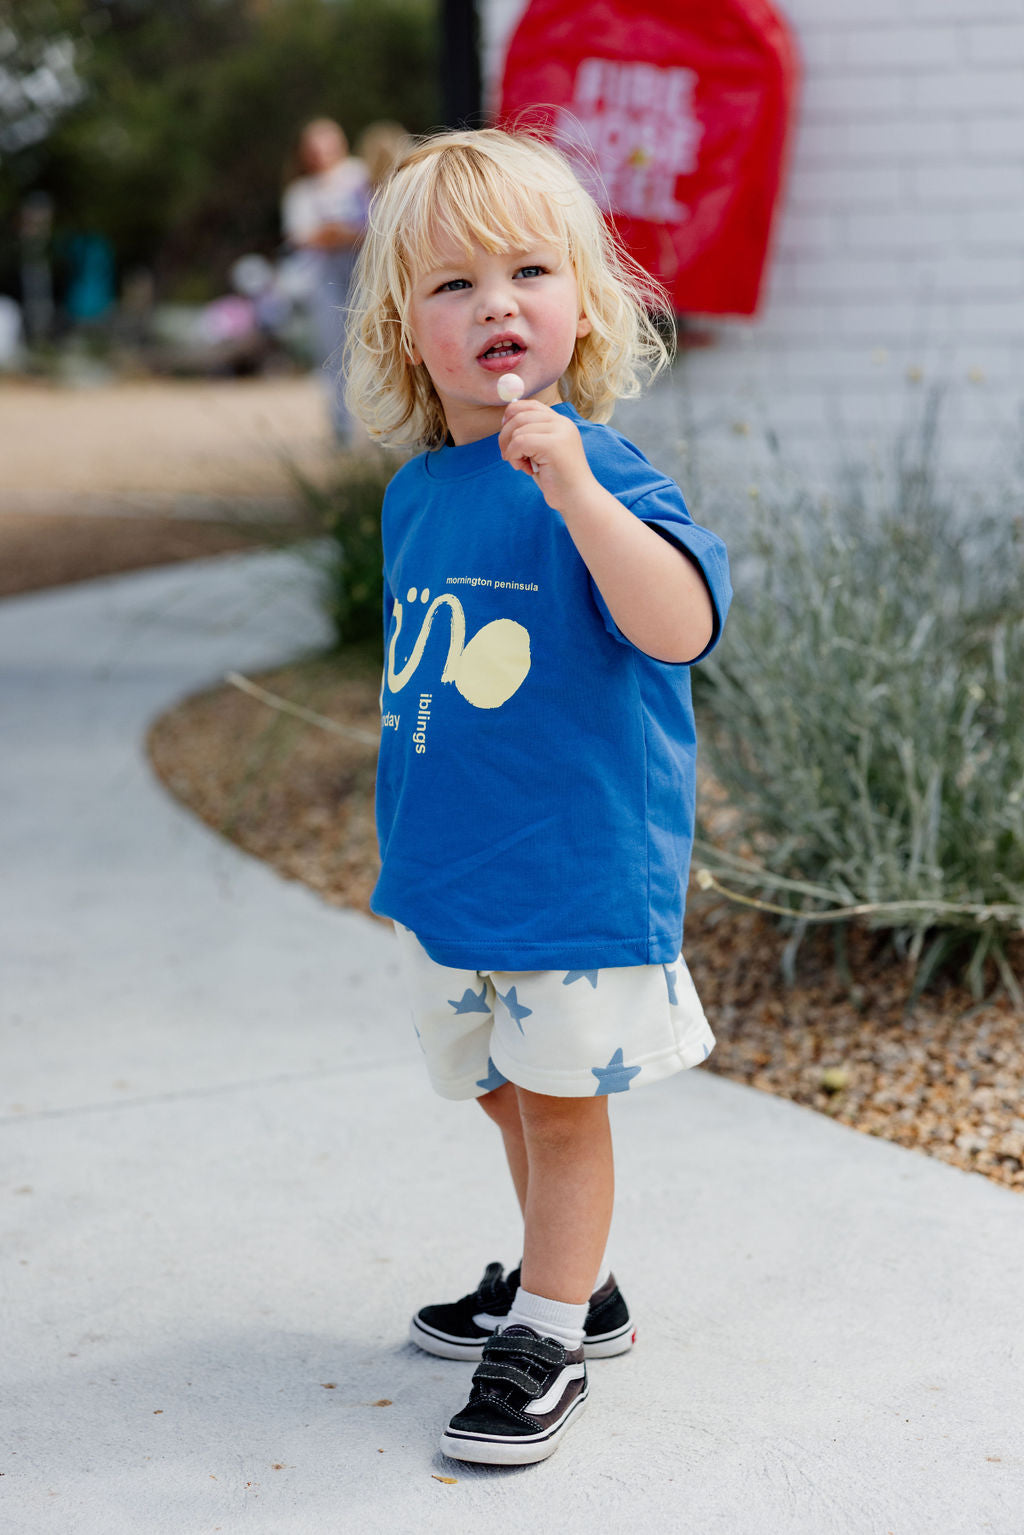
[{"x": 615, "y": 1077}]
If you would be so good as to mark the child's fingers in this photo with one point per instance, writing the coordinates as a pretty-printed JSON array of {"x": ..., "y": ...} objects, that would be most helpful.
[
  {"x": 517, "y": 408},
  {"x": 531, "y": 421},
  {"x": 511, "y": 441},
  {"x": 517, "y": 414},
  {"x": 514, "y": 451},
  {"x": 522, "y": 450},
  {"x": 539, "y": 441}
]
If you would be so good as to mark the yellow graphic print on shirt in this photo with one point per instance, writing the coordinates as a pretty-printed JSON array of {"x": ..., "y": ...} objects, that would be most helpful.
[{"x": 486, "y": 670}]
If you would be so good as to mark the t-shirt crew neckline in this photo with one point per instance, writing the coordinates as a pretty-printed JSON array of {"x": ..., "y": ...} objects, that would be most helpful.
[{"x": 457, "y": 463}]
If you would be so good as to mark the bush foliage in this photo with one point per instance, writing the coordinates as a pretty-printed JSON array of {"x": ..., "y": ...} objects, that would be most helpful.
[
  {"x": 349, "y": 554},
  {"x": 863, "y": 715}
]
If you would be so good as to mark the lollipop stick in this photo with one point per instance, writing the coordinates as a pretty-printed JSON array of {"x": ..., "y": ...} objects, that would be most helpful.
[{"x": 511, "y": 388}]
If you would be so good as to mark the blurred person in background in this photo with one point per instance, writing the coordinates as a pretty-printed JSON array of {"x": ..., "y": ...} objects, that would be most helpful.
[
  {"x": 323, "y": 213},
  {"x": 11, "y": 334},
  {"x": 35, "y": 234},
  {"x": 381, "y": 147}
]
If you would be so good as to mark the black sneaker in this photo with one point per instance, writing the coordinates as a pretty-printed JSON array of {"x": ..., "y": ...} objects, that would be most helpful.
[
  {"x": 459, "y": 1329},
  {"x": 527, "y": 1390}
]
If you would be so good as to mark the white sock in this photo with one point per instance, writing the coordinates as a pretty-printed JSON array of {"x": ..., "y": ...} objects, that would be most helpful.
[{"x": 550, "y": 1318}]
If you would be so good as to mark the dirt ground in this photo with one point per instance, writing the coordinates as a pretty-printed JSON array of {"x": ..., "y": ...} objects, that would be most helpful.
[
  {"x": 110, "y": 479},
  {"x": 100, "y": 480},
  {"x": 158, "y": 446}
]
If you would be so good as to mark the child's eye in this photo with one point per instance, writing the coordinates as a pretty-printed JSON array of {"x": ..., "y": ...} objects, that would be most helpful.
[
  {"x": 531, "y": 271},
  {"x": 453, "y": 285}
]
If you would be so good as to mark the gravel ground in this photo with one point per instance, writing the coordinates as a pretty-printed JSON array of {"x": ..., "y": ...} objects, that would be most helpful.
[{"x": 945, "y": 1079}]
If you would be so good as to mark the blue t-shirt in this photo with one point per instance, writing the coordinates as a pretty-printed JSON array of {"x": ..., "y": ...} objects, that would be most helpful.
[{"x": 535, "y": 789}]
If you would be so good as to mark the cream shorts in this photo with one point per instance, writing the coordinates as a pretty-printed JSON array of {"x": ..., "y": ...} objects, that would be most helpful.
[{"x": 567, "y": 1033}]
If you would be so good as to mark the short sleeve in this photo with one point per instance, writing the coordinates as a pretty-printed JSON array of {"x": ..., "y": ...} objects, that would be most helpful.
[{"x": 664, "y": 509}]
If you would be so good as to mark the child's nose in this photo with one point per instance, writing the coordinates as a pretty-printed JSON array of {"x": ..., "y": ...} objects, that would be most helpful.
[{"x": 498, "y": 303}]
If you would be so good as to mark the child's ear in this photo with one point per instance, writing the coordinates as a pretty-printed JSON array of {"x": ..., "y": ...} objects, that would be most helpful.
[{"x": 583, "y": 327}]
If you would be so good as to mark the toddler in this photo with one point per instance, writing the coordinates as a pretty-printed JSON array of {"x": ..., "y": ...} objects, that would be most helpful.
[{"x": 545, "y": 592}]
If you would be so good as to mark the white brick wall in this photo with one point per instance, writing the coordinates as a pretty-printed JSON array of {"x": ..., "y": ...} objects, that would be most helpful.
[{"x": 899, "y": 248}]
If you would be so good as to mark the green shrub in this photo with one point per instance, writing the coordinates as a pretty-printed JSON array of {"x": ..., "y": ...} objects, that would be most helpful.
[
  {"x": 349, "y": 555},
  {"x": 864, "y": 715}
]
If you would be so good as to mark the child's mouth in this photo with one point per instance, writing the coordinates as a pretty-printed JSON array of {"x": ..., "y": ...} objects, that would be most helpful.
[{"x": 502, "y": 355}]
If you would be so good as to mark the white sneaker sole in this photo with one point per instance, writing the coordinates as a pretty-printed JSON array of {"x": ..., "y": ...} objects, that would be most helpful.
[
  {"x": 512, "y": 1451},
  {"x": 443, "y": 1346}
]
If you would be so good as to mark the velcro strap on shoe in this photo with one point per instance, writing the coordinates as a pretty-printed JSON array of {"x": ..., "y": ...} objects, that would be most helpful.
[
  {"x": 493, "y": 1289},
  {"x": 541, "y": 1350},
  {"x": 509, "y": 1376}
]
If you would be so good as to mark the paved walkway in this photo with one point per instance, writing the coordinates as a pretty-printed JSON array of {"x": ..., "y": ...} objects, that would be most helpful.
[{"x": 225, "y": 1184}]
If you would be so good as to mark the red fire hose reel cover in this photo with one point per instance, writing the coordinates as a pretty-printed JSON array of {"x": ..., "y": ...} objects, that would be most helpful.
[{"x": 675, "y": 114}]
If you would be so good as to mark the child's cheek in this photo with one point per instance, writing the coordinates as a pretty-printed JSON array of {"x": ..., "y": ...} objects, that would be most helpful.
[
  {"x": 450, "y": 356},
  {"x": 446, "y": 364}
]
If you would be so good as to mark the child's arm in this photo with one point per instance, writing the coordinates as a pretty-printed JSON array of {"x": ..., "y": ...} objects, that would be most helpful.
[
  {"x": 335, "y": 236},
  {"x": 655, "y": 594}
]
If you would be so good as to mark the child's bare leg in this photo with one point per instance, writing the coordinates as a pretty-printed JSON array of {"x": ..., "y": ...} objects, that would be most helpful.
[
  {"x": 502, "y": 1105},
  {"x": 570, "y": 1193}
]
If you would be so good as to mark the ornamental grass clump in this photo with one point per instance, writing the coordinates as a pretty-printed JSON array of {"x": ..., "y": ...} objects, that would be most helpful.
[
  {"x": 865, "y": 718},
  {"x": 349, "y": 558}
]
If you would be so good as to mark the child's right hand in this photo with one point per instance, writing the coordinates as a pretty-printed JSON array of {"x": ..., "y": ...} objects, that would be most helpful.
[
  {"x": 658, "y": 598},
  {"x": 535, "y": 439}
]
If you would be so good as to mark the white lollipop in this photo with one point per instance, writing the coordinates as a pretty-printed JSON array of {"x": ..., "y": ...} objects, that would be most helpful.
[{"x": 510, "y": 387}]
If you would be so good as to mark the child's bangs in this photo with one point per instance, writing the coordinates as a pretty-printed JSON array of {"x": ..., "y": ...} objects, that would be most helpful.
[{"x": 472, "y": 201}]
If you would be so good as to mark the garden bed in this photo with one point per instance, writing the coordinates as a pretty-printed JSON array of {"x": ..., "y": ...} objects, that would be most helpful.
[{"x": 945, "y": 1078}]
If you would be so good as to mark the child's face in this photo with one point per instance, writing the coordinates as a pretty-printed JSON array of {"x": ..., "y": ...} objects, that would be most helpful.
[
  {"x": 322, "y": 145},
  {"x": 479, "y": 315}
]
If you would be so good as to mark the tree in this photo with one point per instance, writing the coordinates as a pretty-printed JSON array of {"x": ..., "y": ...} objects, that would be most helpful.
[{"x": 177, "y": 144}]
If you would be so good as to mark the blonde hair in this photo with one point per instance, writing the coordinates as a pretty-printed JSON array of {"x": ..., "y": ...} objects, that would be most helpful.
[{"x": 504, "y": 192}]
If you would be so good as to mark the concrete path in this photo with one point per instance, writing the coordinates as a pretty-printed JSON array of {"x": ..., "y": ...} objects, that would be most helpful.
[{"x": 225, "y": 1185}]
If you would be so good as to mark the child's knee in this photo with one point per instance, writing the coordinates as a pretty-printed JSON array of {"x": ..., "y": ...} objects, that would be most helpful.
[{"x": 561, "y": 1121}]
